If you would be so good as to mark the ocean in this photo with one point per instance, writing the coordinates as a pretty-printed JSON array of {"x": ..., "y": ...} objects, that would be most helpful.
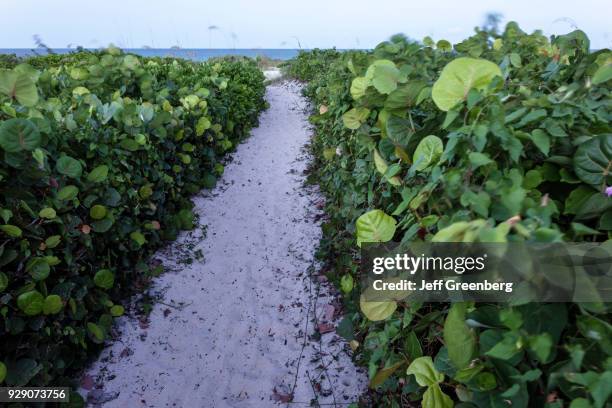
[{"x": 195, "y": 54}]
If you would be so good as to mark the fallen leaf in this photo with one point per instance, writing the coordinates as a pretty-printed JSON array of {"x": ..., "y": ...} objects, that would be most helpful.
[{"x": 325, "y": 328}]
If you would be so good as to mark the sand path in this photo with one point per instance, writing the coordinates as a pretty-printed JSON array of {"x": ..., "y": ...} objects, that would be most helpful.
[{"x": 233, "y": 326}]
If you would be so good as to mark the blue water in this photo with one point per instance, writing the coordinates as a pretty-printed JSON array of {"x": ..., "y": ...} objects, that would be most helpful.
[{"x": 196, "y": 54}]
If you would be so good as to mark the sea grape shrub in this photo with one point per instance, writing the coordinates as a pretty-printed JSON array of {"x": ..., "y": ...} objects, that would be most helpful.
[
  {"x": 498, "y": 138},
  {"x": 99, "y": 153}
]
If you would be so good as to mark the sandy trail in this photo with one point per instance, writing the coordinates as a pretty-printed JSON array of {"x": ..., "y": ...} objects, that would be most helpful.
[{"x": 230, "y": 327}]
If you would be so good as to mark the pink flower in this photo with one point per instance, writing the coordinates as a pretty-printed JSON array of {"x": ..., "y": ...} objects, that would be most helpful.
[{"x": 609, "y": 191}]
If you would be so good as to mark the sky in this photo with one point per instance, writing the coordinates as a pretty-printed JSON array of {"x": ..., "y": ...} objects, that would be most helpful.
[{"x": 282, "y": 24}]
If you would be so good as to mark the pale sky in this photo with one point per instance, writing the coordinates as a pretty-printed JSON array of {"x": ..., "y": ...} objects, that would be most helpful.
[{"x": 279, "y": 24}]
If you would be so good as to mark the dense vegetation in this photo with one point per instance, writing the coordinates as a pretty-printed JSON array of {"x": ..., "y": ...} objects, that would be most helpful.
[
  {"x": 99, "y": 153},
  {"x": 501, "y": 137}
]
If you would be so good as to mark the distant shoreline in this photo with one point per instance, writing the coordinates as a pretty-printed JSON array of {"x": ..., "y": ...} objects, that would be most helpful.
[{"x": 196, "y": 54}]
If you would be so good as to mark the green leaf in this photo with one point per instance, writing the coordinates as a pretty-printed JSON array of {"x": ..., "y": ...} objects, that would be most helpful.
[
  {"x": 428, "y": 152},
  {"x": 515, "y": 60},
  {"x": 104, "y": 279},
  {"x": 355, "y": 117},
  {"x": 138, "y": 237},
  {"x": 53, "y": 241},
  {"x": 435, "y": 398},
  {"x": 358, "y": 87},
  {"x": 31, "y": 303},
  {"x": 479, "y": 159},
  {"x": 97, "y": 212},
  {"x": 405, "y": 95},
  {"x": 202, "y": 125},
  {"x": 541, "y": 345},
  {"x": 38, "y": 268},
  {"x": 603, "y": 73},
  {"x": 424, "y": 372},
  {"x": 398, "y": 131},
  {"x": 532, "y": 179},
  {"x": 460, "y": 76},
  {"x": 506, "y": 349},
  {"x": 69, "y": 166},
  {"x": 384, "y": 373},
  {"x": 375, "y": 226},
  {"x": 117, "y": 310},
  {"x": 96, "y": 332},
  {"x": 20, "y": 86},
  {"x": 3, "y": 281},
  {"x": 376, "y": 311},
  {"x": 384, "y": 75},
  {"x": 580, "y": 403},
  {"x": 98, "y": 175},
  {"x": 19, "y": 134},
  {"x": 48, "y": 213},
  {"x": 458, "y": 337},
  {"x": 53, "y": 305},
  {"x": 541, "y": 139},
  {"x": 67, "y": 193},
  {"x": 346, "y": 283},
  {"x": 382, "y": 167},
  {"x": 130, "y": 145},
  {"x": 2, "y": 372},
  {"x": 11, "y": 230},
  {"x": 593, "y": 161},
  {"x": 485, "y": 381},
  {"x": 21, "y": 372}
]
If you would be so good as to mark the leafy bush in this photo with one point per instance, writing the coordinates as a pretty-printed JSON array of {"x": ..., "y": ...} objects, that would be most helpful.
[
  {"x": 99, "y": 154},
  {"x": 501, "y": 137}
]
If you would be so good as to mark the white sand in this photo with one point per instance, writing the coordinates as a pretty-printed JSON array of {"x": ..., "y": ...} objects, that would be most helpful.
[
  {"x": 272, "y": 74},
  {"x": 231, "y": 329}
]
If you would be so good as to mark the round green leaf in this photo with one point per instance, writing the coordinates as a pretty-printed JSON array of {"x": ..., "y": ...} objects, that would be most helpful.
[
  {"x": 202, "y": 125},
  {"x": 346, "y": 283},
  {"x": 138, "y": 237},
  {"x": 376, "y": 311},
  {"x": 117, "y": 310},
  {"x": 375, "y": 226},
  {"x": 68, "y": 193},
  {"x": 96, "y": 332},
  {"x": 103, "y": 225},
  {"x": 70, "y": 167},
  {"x": 53, "y": 241},
  {"x": 428, "y": 152},
  {"x": 48, "y": 213},
  {"x": 97, "y": 212},
  {"x": 384, "y": 75},
  {"x": 3, "y": 281},
  {"x": 38, "y": 268},
  {"x": 20, "y": 86},
  {"x": 19, "y": 134},
  {"x": 2, "y": 372},
  {"x": 79, "y": 73},
  {"x": 11, "y": 230},
  {"x": 593, "y": 161},
  {"x": 458, "y": 77},
  {"x": 104, "y": 279},
  {"x": 53, "y": 305},
  {"x": 31, "y": 303},
  {"x": 98, "y": 175},
  {"x": 444, "y": 45},
  {"x": 355, "y": 117},
  {"x": 358, "y": 87}
]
